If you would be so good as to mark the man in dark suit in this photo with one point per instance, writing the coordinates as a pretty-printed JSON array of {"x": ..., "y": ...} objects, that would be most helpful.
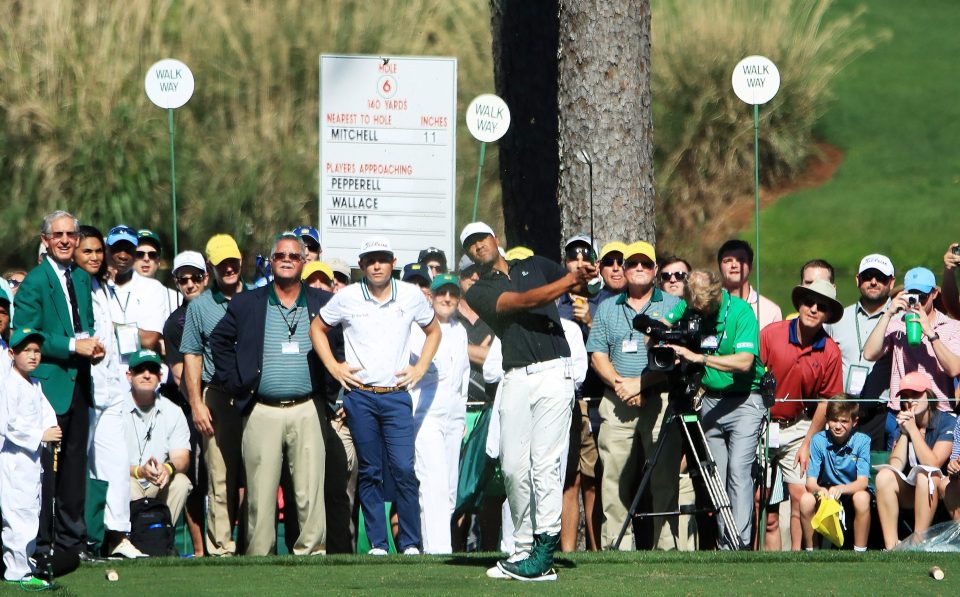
[
  {"x": 55, "y": 299},
  {"x": 263, "y": 356}
]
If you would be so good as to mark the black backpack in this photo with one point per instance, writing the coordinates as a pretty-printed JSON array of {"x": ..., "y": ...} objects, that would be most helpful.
[{"x": 151, "y": 529}]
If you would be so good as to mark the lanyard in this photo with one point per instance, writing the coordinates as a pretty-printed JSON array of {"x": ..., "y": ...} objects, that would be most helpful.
[
  {"x": 629, "y": 320},
  {"x": 123, "y": 307},
  {"x": 146, "y": 439},
  {"x": 291, "y": 328}
]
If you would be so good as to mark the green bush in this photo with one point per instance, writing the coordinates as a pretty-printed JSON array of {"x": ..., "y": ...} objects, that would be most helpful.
[
  {"x": 704, "y": 134},
  {"x": 77, "y": 131}
]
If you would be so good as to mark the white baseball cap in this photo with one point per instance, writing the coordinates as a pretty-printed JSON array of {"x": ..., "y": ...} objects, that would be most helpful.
[
  {"x": 475, "y": 228},
  {"x": 189, "y": 258},
  {"x": 375, "y": 244},
  {"x": 878, "y": 262}
]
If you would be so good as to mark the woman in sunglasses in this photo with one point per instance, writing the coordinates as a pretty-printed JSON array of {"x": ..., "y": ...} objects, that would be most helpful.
[{"x": 673, "y": 275}]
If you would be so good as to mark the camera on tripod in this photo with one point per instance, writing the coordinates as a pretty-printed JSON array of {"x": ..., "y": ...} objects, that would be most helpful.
[{"x": 688, "y": 332}]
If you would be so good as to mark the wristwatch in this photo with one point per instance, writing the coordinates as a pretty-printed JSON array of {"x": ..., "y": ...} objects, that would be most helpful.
[{"x": 934, "y": 336}]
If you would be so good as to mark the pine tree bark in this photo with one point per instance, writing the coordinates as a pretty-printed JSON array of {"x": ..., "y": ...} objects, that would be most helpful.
[
  {"x": 606, "y": 108},
  {"x": 525, "y": 36},
  {"x": 576, "y": 76}
]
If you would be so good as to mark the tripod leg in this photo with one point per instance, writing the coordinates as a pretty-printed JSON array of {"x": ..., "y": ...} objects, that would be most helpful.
[
  {"x": 765, "y": 470},
  {"x": 715, "y": 488},
  {"x": 644, "y": 481}
]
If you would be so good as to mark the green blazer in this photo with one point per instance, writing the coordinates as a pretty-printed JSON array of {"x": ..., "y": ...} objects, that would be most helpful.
[{"x": 41, "y": 304}]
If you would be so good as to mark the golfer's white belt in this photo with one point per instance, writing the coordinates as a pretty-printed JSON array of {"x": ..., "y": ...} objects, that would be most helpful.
[{"x": 543, "y": 366}]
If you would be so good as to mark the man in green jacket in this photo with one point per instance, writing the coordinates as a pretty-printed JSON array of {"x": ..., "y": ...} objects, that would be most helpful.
[{"x": 55, "y": 299}]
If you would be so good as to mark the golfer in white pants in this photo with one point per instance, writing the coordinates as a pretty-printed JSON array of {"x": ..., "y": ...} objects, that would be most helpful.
[{"x": 517, "y": 299}]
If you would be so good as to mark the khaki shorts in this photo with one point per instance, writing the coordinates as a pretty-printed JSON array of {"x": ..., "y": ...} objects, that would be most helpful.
[
  {"x": 786, "y": 455},
  {"x": 582, "y": 455}
]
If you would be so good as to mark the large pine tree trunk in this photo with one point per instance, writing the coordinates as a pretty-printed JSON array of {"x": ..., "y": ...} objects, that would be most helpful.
[
  {"x": 576, "y": 76},
  {"x": 525, "y": 73},
  {"x": 605, "y": 108}
]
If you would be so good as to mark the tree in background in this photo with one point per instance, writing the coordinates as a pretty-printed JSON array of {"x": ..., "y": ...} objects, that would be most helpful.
[{"x": 576, "y": 75}]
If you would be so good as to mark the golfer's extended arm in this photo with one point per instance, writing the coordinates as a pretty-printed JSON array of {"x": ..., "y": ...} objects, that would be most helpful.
[{"x": 541, "y": 295}]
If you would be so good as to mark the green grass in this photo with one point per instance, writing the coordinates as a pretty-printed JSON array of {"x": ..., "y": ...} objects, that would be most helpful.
[
  {"x": 702, "y": 573},
  {"x": 897, "y": 119}
]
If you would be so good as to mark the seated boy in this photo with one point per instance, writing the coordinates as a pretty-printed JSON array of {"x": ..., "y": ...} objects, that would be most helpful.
[
  {"x": 839, "y": 468},
  {"x": 26, "y": 420}
]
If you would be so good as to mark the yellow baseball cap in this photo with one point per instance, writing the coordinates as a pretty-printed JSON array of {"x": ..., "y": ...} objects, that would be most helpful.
[
  {"x": 314, "y": 267},
  {"x": 220, "y": 247},
  {"x": 519, "y": 253},
  {"x": 640, "y": 248},
  {"x": 613, "y": 247}
]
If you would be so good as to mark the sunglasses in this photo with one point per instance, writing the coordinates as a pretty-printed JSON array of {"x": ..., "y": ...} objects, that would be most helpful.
[
  {"x": 151, "y": 255},
  {"x": 573, "y": 252},
  {"x": 678, "y": 276},
  {"x": 872, "y": 274},
  {"x": 195, "y": 278},
  {"x": 810, "y": 302},
  {"x": 122, "y": 230},
  {"x": 611, "y": 261},
  {"x": 154, "y": 369},
  {"x": 14, "y": 283},
  {"x": 645, "y": 264},
  {"x": 64, "y": 234},
  {"x": 281, "y": 256}
]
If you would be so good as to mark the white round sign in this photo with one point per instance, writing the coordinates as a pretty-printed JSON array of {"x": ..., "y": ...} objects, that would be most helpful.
[
  {"x": 169, "y": 83},
  {"x": 756, "y": 80},
  {"x": 488, "y": 117}
]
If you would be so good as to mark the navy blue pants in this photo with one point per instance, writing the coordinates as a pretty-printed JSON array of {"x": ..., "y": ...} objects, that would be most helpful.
[{"x": 382, "y": 426}]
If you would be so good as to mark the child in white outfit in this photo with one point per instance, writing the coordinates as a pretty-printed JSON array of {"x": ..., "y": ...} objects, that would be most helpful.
[{"x": 26, "y": 420}]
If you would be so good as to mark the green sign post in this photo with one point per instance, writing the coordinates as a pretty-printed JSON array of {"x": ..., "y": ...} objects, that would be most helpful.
[{"x": 169, "y": 85}]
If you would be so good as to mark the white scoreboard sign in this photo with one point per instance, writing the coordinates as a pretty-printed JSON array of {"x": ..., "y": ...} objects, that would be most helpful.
[{"x": 387, "y": 154}]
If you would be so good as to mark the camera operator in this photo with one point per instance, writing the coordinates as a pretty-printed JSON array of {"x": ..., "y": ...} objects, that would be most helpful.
[
  {"x": 732, "y": 409},
  {"x": 633, "y": 406}
]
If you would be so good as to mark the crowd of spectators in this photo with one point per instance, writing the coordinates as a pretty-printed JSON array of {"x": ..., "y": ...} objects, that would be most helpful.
[{"x": 318, "y": 391}]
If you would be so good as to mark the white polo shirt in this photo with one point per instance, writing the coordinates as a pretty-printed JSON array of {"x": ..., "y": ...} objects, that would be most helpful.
[
  {"x": 375, "y": 333},
  {"x": 141, "y": 302}
]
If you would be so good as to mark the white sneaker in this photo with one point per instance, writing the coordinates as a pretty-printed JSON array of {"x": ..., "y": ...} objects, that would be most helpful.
[
  {"x": 127, "y": 550},
  {"x": 377, "y": 551},
  {"x": 496, "y": 572},
  {"x": 411, "y": 551}
]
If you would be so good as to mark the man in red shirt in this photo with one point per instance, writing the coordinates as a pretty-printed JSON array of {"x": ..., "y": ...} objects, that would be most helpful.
[{"x": 807, "y": 365}]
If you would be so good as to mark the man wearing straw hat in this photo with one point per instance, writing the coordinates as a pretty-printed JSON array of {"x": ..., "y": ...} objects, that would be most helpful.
[{"x": 807, "y": 364}]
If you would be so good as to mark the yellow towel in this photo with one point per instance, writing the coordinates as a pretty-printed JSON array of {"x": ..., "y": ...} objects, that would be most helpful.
[{"x": 827, "y": 520}]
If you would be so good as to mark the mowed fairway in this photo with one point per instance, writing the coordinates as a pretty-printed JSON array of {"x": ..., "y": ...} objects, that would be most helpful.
[{"x": 581, "y": 574}]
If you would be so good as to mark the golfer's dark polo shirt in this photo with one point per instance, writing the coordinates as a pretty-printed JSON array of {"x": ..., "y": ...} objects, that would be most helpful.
[{"x": 528, "y": 336}]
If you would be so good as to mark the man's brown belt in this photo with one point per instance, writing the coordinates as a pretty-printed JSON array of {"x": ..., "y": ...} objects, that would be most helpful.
[{"x": 380, "y": 389}]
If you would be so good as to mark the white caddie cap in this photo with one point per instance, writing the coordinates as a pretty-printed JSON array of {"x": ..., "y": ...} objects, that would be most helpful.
[
  {"x": 375, "y": 244},
  {"x": 878, "y": 262},
  {"x": 189, "y": 258}
]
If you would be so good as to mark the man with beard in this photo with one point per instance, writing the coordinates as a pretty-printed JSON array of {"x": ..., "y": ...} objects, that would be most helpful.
[
  {"x": 865, "y": 379},
  {"x": 516, "y": 299}
]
